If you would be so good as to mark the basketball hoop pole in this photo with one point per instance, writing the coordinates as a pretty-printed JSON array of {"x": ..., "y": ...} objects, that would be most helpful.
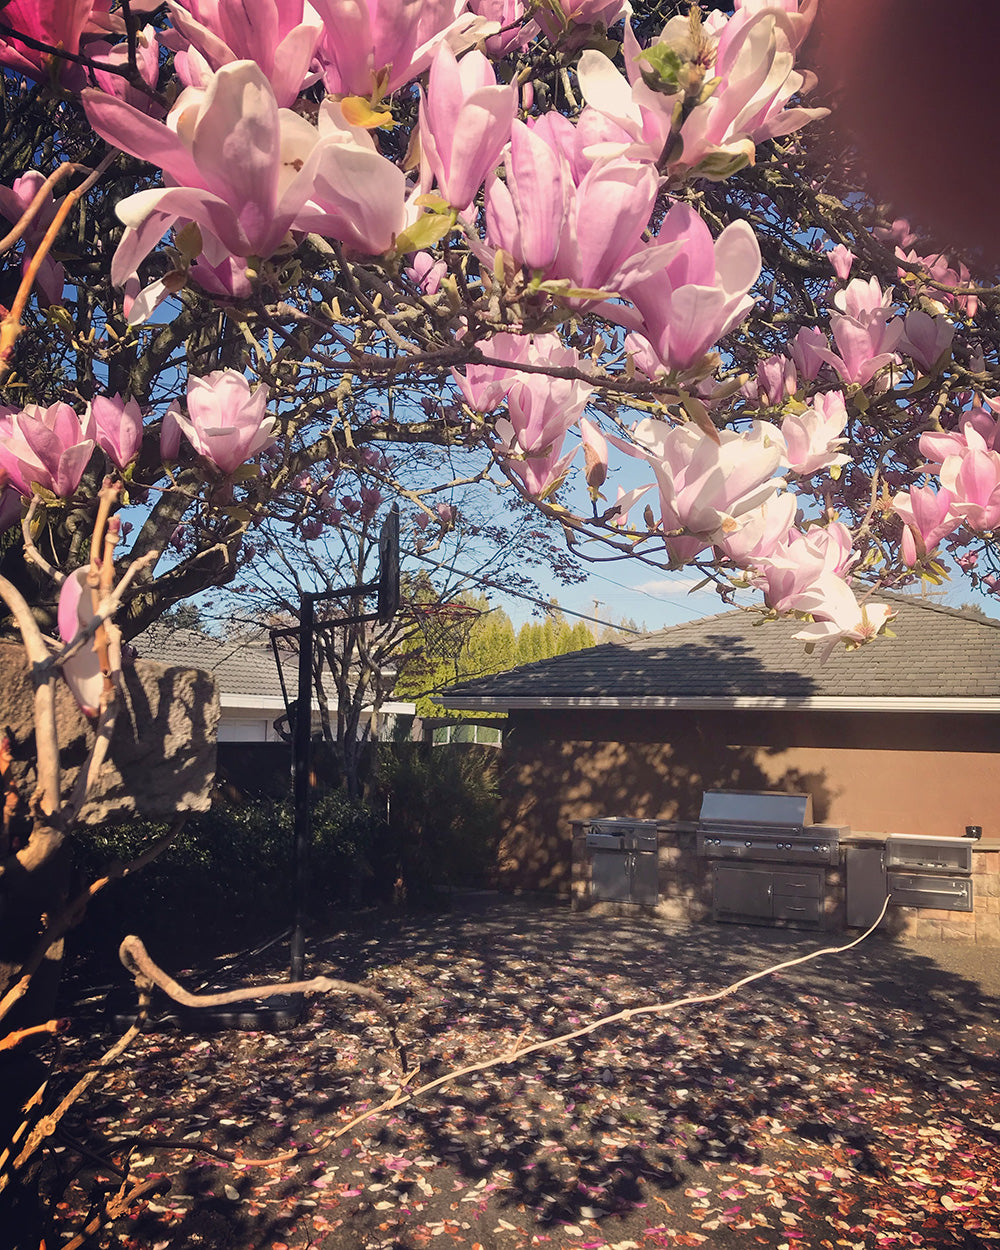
[{"x": 387, "y": 589}]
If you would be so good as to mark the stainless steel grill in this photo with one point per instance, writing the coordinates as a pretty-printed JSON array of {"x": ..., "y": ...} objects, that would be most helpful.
[
  {"x": 780, "y": 875},
  {"x": 743, "y": 824}
]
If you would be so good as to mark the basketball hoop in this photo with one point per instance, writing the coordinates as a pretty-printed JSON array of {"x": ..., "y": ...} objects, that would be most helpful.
[{"x": 445, "y": 627}]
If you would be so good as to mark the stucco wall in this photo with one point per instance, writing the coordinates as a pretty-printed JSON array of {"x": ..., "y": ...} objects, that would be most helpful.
[{"x": 885, "y": 773}]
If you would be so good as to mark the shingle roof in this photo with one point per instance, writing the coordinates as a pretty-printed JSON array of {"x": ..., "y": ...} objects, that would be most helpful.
[
  {"x": 240, "y": 665},
  {"x": 938, "y": 653}
]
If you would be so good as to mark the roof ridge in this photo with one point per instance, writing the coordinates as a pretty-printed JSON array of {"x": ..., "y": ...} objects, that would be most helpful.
[
  {"x": 699, "y": 620},
  {"x": 962, "y": 614}
]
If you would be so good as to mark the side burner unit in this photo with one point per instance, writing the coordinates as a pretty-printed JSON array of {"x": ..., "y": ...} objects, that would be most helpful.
[
  {"x": 773, "y": 859},
  {"x": 623, "y": 860},
  {"x": 924, "y": 871}
]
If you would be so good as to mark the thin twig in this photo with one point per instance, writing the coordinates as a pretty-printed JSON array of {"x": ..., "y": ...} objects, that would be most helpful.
[
  {"x": 31, "y": 552},
  {"x": 43, "y": 192},
  {"x": 631, "y": 1013},
  {"x": 43, "y": 676},
  {"x": 35, "y": 1030},
  {"x": 117, "y": 1206},
  {"x": 10, "y": 327},
  {"x": 46, "y": 1126}
]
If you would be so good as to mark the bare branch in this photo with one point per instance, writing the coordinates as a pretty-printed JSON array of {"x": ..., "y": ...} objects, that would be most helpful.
[{"x": 134, "y": 956}]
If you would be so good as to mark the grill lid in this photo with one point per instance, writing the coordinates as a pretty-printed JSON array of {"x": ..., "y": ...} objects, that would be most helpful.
[{"x": 739, "y": 808}]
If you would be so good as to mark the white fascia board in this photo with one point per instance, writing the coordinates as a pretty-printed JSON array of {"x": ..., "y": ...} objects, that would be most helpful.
[
  {"x": 817, "y": 703},
  {"x": 261, "y": 703},
  {"x": 251, "y": 702},
  {"x": 274, "y": 703}
]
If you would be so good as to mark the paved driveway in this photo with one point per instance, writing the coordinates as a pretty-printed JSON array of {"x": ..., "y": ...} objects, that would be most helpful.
[{"x": 850, "y": 1102}]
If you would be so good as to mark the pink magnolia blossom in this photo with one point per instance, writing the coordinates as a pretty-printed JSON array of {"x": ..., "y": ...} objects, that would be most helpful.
[
  {"x": 939, "y": 270},
  {"x": 147, "y": 60},
  {"x": 973, "y": 482},
  {"x": 812, "y": 438},
  {"x": 357, "y": 196},
  {"x": 555, "y": 16},
  {"x": 644, "y": 357},
  {"x": 485, "y": 387},
  {"x": 866, "y": 339},
  {"x": 807, "y": 351},
  {"x": 371, "y": 501},
  {"x": 590, "y": 138},
  {"x": 540, "y": 411},
  {"x": 514, "y": 33},
  {"x": 275, "y": 34},
  {"x": 752, "y": 56},
  {"x": 798, "y": 14},
  {"x": 372, "y": 48},
  {"x": 48, "y": 446},
  {"x": 774, "y": 382},
  {"x": 925, "y": 338},
  {"x": 789, "y": 573},
  {"x": 426, "y": 272},
  {"x": 698, "y": 295},
  {"x": 465, "y": 122},
  {"x": 618, "y": 514},
  {"x": 927, "y": 518},
  {"x": 14, "y": 202},
  {"x": 840, "y": 618},
  {"x": 219, "y": 273},
  {"x": 864, "y": 302},
  {"x": 117, "y": 427},
  {"x": 841, "y": 259},
  {"x": 706, "y": 486},
  {"x": 978, "y": 430},
  {"x": 595, "y": 451},
  {"x": 58, "y": 23},
  {"x": 527, "y": 214},
  {"x": 447, "y": 514},
  {"x": 247, "y": 172},
  {"x": 898, "y": 234},
  {"x": 557, "y": 227},
  {"x": 762, "y": 530},
  {"x": 226, "y": 422},
  {"x": 82, "y": 670},
  {"x": 225, "y": 153}
]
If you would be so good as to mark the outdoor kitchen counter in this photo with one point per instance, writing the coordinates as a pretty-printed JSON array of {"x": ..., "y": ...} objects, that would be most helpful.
[
  {"x": 684, "y": 884},
  {"x": 861, "y": 837}
]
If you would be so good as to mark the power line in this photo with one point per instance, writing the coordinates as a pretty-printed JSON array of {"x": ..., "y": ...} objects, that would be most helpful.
[
  {"x": 693, "y": 613},
  {"x": 517, "y": 594}
]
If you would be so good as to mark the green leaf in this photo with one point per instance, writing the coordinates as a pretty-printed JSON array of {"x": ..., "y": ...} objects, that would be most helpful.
[
  {"x": 666, "y": 65},
  {"x": 564, "y": 288},
  {"x": 426, "y": 232},
  {"x": 60, "y": 317},
  {"x": 47, "y": 497}
]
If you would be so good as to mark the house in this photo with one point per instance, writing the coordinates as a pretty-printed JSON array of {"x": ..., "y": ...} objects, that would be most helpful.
[
  {"x": 902, "y": 736},
  {"x": 250, "y": 694}
]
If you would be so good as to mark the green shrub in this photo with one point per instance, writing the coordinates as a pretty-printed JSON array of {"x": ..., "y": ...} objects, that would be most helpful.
[
  {"x": 431, "y": 822},
  {"x": 441, "y": 813}
]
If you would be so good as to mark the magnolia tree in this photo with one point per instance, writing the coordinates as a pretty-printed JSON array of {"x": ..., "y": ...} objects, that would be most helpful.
[{"x": 613, "y": 263}]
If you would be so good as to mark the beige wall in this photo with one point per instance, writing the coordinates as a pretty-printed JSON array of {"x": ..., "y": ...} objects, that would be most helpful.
[{"x": 884, "y": 773}]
